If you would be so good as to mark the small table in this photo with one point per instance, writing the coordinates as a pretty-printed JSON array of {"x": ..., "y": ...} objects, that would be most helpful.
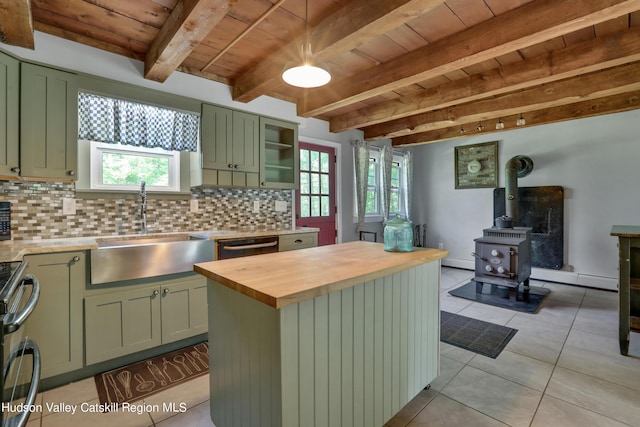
[{"x": 629, "y": 282}]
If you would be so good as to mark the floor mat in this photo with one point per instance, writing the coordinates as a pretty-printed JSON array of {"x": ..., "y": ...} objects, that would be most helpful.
[
  {"x": 475, "y": 335},
  {"x": 498, "y": 296},
  {"x": 141, "y": 379}
]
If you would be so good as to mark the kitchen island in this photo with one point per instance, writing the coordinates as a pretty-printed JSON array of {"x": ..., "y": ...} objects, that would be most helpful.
[{"x": 340, "y": 335}]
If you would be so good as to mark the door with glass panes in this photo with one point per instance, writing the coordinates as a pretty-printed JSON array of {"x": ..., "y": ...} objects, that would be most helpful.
[{"x": 316, "y": 205}]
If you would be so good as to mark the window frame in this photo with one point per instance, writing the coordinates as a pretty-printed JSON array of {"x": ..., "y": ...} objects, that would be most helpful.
[
  {"x": 97, "y": 149},
  {"x": 377, "y": 216}
]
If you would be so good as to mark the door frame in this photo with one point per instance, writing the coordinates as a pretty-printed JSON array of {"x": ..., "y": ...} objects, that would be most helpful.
[{"x": 338, "y": 190}]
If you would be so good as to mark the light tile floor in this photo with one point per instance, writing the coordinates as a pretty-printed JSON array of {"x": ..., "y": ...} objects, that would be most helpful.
[{"x": 562, "y": 368}]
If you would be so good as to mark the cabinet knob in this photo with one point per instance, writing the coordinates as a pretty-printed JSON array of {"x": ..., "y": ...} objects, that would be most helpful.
[
  {"x": 165, "y": 292},
  {"x": 75, "y": 258},
  {"x": 236, "y": 166},
  {"x": 230, "y": 165},
  {"x": 15, "y": 169},
  {"x": 155, "y": 293},
  {"x": 71, "y": 173}
]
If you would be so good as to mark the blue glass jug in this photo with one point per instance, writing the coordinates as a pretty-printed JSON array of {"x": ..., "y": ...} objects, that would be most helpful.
[{"x": 398, "y": 235}]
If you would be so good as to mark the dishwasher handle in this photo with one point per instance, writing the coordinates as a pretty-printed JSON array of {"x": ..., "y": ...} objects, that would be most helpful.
[{"x": 254, "y": 246}]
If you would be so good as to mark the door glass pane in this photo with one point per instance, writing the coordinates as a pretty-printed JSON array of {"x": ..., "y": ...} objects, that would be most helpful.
[
  {"x": 315, "y": 161},
  {"x": 315, "y": 206},
  {"x": 324, "y": 162},
  {"x": 304, "y": 160},
  {"x": 305, "y": 211},
  {"x": 324, "y": 184},
  {"x": 315, "y": 183},
  {"x": 304, "y": 182},
  {"x": 325, "y": 205}
]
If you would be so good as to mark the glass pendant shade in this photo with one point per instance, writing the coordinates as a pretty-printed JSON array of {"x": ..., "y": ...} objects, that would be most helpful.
[{"x": 306, "y": 75}]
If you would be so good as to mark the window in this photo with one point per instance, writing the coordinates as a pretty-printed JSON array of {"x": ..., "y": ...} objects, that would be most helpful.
[
  {"x": 130, "y": 142},
  {"x": 374, "y": 182},
  {"x": 314, "y": 184},
  {"x": 123, "y": 167}
]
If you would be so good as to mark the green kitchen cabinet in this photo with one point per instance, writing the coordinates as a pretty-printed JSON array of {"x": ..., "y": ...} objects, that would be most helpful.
[
  {"x": 184, "y": 309},
  {"x": 48, "y": 123},
  {"x": 132, "y": 318},
  {"x": 279, "y": 154},
  {"x": 230, "y": 147},
  {"x": 56, "y": 323},
  {"x": 9, "y": 117}
]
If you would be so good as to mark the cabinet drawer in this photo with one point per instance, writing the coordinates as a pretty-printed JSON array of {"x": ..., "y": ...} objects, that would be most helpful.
[{"x": 289, "y": 242}]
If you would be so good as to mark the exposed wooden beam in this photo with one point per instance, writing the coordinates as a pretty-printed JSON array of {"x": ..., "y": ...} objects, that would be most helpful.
[
  {"x": 532, "y": 23},
  {"x": 588, "y": 86},
  {"x": 16, "y": 23},
  {"x": 600, "y": 53},
  {"x": 607, "y": 105},
  {"x": 189, "y": 23},
  {"x": 355, "y": 23}
]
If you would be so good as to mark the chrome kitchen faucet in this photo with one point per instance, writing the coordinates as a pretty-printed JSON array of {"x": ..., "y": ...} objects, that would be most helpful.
[{"x": 143, "y": 207}]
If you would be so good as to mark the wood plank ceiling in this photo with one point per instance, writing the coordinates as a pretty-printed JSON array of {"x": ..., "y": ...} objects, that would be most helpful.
[{"x": 415, "y": 71}]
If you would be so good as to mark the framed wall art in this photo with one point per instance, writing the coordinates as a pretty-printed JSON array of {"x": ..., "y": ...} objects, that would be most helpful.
[{"x": 476, "y": 165}]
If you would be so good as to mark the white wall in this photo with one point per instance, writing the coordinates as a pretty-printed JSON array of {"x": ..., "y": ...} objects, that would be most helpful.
[
  {"x": 595, "y": 160},
  {"x": 72, "y": 56}
]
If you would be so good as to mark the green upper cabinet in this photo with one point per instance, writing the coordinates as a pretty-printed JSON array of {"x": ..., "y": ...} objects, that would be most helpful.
[
  {"x": 48, "y": 123},
  {"x": 279, "y": 154},
  {"x": 9, "y": 116},
  {"x": 230, "y": 147}
]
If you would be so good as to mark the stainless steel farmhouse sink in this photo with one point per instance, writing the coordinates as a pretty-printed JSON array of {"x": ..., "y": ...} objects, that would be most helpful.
[{"x": 147, "y": 256}]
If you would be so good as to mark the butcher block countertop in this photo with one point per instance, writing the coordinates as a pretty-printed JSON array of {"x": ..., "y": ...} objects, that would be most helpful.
[{"x": 283, "y": 278}]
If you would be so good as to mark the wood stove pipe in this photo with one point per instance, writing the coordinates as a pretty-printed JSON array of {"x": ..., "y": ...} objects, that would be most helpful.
[{"x": 518, "y": 167}]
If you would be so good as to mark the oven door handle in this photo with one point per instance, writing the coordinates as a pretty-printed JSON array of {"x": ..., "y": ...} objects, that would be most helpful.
[
  {"x": 14, "y": 321},
  {"x": 255, "y": 246},
  {"x": 26, "y": 347}
]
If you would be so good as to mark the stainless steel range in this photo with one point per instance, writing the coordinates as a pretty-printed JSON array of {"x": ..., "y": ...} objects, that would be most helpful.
[
  {"x": 503, "y": 253},
  {"x": 19, "y": 295}
]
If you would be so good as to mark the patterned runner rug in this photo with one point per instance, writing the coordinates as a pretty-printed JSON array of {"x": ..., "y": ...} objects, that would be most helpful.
[{"x": 141, "y": 379}]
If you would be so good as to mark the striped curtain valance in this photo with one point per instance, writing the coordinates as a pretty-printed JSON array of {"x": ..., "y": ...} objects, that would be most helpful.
[{"x": 117, "y": 121}]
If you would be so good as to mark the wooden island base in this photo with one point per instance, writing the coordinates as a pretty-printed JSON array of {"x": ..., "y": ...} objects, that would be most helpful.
[{"x": 352, "y": 356}]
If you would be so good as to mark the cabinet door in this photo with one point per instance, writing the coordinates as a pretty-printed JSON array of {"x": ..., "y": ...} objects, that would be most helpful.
[
  {"x": 246, "y": 142},
  {"x": 56, "y": 323},
  {"x": 9, "y": 118},
  {"x": 121, "y": 323},
  {"x": 48, "y": 123},
  {"x": 216, "y": 137},
  {"x": 279, "y": 154},
  {"x": 184, "y": 309}
]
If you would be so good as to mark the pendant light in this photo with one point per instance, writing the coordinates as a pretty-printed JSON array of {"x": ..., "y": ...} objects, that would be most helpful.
[
  {"x": 521, "y": 121},
  {"x": 306, "y": 74}
]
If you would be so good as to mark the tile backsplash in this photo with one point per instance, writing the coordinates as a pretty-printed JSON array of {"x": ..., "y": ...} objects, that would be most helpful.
[{"x": 36, "y": 211}]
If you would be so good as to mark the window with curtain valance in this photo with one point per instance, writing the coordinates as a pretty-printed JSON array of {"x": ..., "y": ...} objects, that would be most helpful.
[{"x": 117, "y": 121}]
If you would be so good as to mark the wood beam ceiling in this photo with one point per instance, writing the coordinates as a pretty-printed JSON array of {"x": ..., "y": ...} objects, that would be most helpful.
[
  {"x": 16, "y": 23},
  {"x": 530, "y": 24},
  {"x": 358, "y": 21},
  {"x": 189, "y": 23},
  {"x": 600, "y": 53},
  {"x": 578, "y": 110},
  {"x": 599, "y": 84}
]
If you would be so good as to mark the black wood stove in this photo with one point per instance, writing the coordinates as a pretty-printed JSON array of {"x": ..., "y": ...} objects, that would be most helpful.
[{"x": 503, "y": 253}]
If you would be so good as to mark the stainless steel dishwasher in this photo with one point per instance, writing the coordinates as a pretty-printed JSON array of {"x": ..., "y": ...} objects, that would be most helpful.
[{"x": 235, "y": 248}]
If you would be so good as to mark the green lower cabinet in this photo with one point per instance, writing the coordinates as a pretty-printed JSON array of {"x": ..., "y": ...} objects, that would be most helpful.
[
  {"x": 56, "y": 323},
  {"x": 139, "y": 317},
  {"x": 184, "y": 309},
  {"x": 121, "y": 323}
]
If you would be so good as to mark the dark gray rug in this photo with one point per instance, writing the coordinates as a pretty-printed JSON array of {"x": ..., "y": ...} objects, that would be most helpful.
[{"x": 475, "y": 335}]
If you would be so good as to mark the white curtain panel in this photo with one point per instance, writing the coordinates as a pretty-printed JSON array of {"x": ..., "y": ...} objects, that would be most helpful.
[
  {"x": 386, "y": 162},
  {"x": 361, "y": 169}
]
